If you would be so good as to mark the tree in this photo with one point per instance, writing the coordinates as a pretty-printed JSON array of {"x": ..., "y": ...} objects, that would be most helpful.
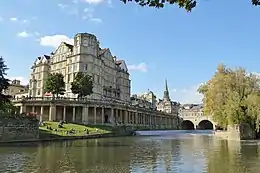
[
  {"x": 186, "y": 4},
  {"x": 82, "y": 85},
  {"x": 4, "y": 84},
  {"x": 232, "y": 97},
  {"x": 55, "y": 84}
]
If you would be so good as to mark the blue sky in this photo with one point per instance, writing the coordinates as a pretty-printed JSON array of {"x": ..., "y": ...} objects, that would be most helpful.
[{"x": 167, "y": 43}]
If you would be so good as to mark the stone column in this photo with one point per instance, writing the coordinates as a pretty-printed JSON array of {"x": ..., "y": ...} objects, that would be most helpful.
[
  {"x": 121, "y": 115},
  {"x": 161, "y": 121},
  {"x": 130, "y": 117},
  {"x": 85, "y": 114},
  {"x": 117, "y": 115},
  {"x": 74, "y": 114},
  {"x": 52, "y": 113},
  {"x": 64, "y": 113},
  {"x": 33, "y": 109},
  {"x": 151, "y": 120},
  {"x": 22, "y": 109},
  {"x": 126, "y": 117},
  {"x": 41, "y": 113},
  {"x": 102, "y": 114},
  {"x": 111, "y": 115},
  {"x": 137, "y": 118},
  {"x": 95, "y": 114}
]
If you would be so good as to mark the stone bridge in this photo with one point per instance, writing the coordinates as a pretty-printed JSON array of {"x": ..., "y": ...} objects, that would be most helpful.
[{"x": 197, "y": 122}]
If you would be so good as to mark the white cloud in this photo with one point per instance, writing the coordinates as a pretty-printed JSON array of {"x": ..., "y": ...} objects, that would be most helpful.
[
  {"x": 23, "y": 34},
  {"x": 1, "y": 19},
  {"x": 55, "y": 40},
  {"x": 62, "y": 6},
  {"x": 24, "y": 81},
  {"x": 13, "y": 19},
  {"x": 94, "y": 1},
  {"x": 139, "y": 67},
  {"x": 89, "y": 15},
  {"x": 98, "y": 20},
  {"x": 187, "y": 95}
]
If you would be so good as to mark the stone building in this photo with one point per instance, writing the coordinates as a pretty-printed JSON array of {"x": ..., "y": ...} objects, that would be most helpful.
[
  {"x": 16, "y": 88},
  {"x": 110, "y": 102},
  {"x": 165, "y": 104},
  {"x": 149, "y": 97},
  {"x": 191, "y": 110},
  {"x": 141, "y": 102},
  {"x": 110, "y": 75}
]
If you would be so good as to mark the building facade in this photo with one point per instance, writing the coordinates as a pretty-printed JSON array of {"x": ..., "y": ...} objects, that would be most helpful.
[
  {"x": 16, "y": 88},
  {"x": 110, "y": 75},
  {"x": 110, "y": 102},
  {"x": 165, "y": 104},
  {"x": 149, "y": 98},
  {"x": 191, "y": 110}
]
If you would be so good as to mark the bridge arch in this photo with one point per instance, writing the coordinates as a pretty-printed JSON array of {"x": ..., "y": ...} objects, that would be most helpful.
[
  {"x": 205, "y": 125},
  {"x": 187, "y": 125}
]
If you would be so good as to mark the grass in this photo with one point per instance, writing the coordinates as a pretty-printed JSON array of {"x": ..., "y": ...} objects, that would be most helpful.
[{"x": 79, "y": 130}]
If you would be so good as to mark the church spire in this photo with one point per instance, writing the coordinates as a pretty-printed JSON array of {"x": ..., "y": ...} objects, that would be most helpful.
[
  {"x": 166, "y": 92},
  {"x": 166, "y": 86}
]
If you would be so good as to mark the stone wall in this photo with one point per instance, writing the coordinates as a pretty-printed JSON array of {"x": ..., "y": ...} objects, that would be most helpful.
[
  {"x": 237, "y": 132},
  {"x": 19, "y": 130}
]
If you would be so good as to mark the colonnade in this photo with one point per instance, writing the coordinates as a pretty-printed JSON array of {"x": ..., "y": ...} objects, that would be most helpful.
[{"x": 101, "y": 115}]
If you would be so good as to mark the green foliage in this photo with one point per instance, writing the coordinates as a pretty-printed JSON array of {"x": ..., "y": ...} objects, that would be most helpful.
[
  {"x": 186, "y": 4},
  {"x": 232, "y": 97},
  {"x": 12, "y": 118},
  {"x": 7, "y": 107},
  {"x": 82, "y": 85},
  {"x": 4, "y": 84},
  {"x": 55, "y": 84}
]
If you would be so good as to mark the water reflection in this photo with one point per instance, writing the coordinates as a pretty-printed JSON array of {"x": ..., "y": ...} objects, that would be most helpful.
[
  {"x": 234, "y": 157},
  {"x": 186, "y": 153}
]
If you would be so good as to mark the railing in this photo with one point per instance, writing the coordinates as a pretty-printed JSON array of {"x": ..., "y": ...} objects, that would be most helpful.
[{"x": 71, "y": 99}]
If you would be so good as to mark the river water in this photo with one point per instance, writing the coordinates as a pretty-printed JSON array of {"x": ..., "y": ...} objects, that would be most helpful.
[{"x": 160, "y": 152}]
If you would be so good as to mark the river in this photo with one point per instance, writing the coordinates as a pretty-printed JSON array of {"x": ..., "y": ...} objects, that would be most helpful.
[{"x": 164, "y": 152}]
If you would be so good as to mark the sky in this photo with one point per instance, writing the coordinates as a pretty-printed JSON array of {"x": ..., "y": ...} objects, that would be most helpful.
[{"x": 157, "y": 44}]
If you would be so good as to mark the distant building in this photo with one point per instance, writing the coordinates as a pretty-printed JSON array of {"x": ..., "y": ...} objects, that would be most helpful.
[
  {"x": 191, "y": 110},
  {"x": 16, "y": 88},
  {"x": 149, "y": 97},
  {"x": 165, "y": 104},
  {"x": 110, "y": 75},
  {"x": 141, "y": 102}
]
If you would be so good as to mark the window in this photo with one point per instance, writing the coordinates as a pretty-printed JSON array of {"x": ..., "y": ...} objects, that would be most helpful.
[
  {"x": 39, "y": 83},
  {"x": 85, "y": 68},
  {"x": 69, "y": 68},
  {"x": 75, "y": 67},
  {"x": 69, "y": 78},
  {"x": 38, "y": 92}
]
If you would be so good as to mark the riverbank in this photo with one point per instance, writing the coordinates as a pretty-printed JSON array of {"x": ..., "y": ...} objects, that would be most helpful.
[
  {"x": 67, "y": 138},
  {"x": 51, "y": 131}
]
